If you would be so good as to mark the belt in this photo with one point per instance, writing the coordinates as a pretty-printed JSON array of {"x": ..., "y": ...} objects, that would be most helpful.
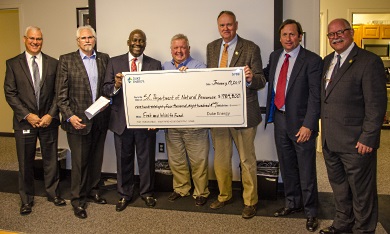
[{"x": 280, "y": 111}]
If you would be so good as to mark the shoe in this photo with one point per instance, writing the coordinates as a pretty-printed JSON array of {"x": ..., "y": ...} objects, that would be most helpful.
[
  {"x": 249, "y": 212},
  {"x": 311, "y": 224},
  {"x": 200, "y": 201},
  {"x": 26, "y": 209},
  {"x": 331, "y": 229},
  {"x": 149, "y": 201},
  {"x": 97, "y": 199},
  {"x": 122, "y": 204},
  {"x": 217, "y": 204},
  {"x": 286, "y": 211},
  {"x": 58, "y": 201},
  {"x": 80, "y": 212},
  {"x": 174, "y": 196}
]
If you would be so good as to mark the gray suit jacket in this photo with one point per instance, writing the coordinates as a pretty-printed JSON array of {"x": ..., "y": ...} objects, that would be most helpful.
[
  {"x": 302, "y": 103},
  {"x": 116, "y": 65},
  {"x": 354, "y": 105},
  {"x": 74, "y": 94},
  {"x": 19, "y": 90},
  {"x": 246, "y": 53}
]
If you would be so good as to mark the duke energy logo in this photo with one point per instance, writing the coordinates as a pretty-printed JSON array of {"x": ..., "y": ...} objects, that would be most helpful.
[{"x": 135, "y": 79}]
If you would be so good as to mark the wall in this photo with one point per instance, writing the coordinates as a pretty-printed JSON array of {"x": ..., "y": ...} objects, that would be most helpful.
[
  {"x": 331, "y": 9},
  {"x": 9, "y": 47},
  {"x": 309, "y": 18},
  {"x": 58, "y": 22}
]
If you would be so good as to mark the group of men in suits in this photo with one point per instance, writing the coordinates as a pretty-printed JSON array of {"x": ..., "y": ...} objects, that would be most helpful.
[{"x": 347, "y": 91}]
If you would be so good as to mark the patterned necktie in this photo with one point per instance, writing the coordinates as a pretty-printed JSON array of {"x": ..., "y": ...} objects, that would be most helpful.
[
  {"x": 224, "y": 57},
  {"x": 335, "y": 69},
  {"x": 281, "y": 86},
  {"x": 134, "y": 65},
  {"x": 37, "y": 79}
]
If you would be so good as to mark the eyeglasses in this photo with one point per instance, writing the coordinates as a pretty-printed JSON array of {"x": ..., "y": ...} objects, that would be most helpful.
[
  {"x": 39, "y": 39},
  {"x": 85, "y": 38},
  {"x": 332, "y": 35}
]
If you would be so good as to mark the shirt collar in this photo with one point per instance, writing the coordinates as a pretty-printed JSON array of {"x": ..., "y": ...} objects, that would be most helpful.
[
  {"x": 139, "y": 58},
  {"x": 183, "y": 63},
  {"x": 230, "y": 42},
  {"x": 83, "y": 56},
  {"x": 293, "y": 53},
  {"x": 346, "y": 52},
  {"x": 29, "y": 56}
]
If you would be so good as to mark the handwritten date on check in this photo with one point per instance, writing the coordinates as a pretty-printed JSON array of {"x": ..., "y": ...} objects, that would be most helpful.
[{"x": 195, "y": 98}]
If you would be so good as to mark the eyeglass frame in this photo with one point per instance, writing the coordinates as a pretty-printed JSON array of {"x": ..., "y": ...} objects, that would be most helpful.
[{"x": 332, "y": 35}]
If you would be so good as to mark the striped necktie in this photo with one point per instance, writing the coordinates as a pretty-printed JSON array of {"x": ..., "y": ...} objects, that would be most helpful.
[{"x": 37, "y": 79}]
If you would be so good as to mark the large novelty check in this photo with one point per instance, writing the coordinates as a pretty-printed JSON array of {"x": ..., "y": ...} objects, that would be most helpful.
[{"x": 194, "y": 98}]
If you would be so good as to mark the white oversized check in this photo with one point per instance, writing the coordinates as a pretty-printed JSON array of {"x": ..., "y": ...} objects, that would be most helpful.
[{"x": 194, "y": 98}]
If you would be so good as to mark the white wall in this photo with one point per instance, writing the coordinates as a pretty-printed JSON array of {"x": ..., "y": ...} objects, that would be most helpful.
[
  {"x": 309, "y": 18},
  {"x": 58, "y": 21}
]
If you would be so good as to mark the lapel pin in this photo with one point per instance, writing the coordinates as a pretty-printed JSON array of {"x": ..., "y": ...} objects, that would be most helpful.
[
  {"x": 351, "y": 61},
  {"x": 236, "y": 53}
]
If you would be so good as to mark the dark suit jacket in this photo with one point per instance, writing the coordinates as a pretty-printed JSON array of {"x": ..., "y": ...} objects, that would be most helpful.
[
  {"x": 246, "y": 53},
  {"x": 74, "y": 94},
  {"x": 302, "y": 103},
  {"x": 353, "y": 109},
  {"x": 19, "y": 90},
  {"x": 116, "y": 65}
]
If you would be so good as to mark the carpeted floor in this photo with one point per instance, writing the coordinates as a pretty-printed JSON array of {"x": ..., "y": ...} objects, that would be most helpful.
[{"x": 167, "y": 217}]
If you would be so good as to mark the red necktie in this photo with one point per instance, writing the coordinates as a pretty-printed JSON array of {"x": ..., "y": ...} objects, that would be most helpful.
[
  {"x": 133, "y": 65},
  {"x": 281, "y": 86}
]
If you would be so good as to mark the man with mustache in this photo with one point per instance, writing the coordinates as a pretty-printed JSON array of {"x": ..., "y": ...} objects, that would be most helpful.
[
  {"x": 80, "y": 77},
  {"x": 353, "y": 104},
  {"x": 129, "y": 141}
]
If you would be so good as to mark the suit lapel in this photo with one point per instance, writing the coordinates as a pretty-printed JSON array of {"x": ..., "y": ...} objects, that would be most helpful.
[
  {"x": 344, "y": 67},
  {"x": 83, "y": 71},
  {"x": 145, "y": 63},
  {"x": 274, "y": 63},
  {"x": 299, "y": 62},
  {"x": 237, "y": 52},
  {"x": 24, "y": 64},
  {"x": 45, "y": 65},
  {"x": 214, "y": 56}
]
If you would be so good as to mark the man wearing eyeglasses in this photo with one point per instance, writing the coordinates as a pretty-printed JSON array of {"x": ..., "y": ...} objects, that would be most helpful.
[
  {"x": 353, "y": 104},
  {"x": 80, "y": 77},
  {"x": 29, "y": 88}
]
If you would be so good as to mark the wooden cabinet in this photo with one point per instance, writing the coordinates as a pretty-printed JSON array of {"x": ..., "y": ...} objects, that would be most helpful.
[
  {"x": 385, "y": 31},
  {"x": 371, "y": 31},
  {"x": 357, "y": 36}
]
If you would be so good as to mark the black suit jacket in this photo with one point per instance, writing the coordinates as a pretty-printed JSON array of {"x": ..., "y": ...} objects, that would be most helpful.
[
  {"x": 302, "y": 103},
  {"x": 246, "y": 53},
  {"x": 20, "y": 95},
  {"x": 353, "y": 108},
  {"x": 74, "y": 94},
  {"x": 116, "y": 65}
]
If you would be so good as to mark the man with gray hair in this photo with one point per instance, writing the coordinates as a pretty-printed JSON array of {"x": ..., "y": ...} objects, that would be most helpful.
[
  {"x": 80, "y": 78},
  {"x": 187, "y": 147},
  {"x": 29, "y": 88}
]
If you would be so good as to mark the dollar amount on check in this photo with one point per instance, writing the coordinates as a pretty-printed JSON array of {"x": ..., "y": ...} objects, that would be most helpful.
[{"x": 194, "y": 98}]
